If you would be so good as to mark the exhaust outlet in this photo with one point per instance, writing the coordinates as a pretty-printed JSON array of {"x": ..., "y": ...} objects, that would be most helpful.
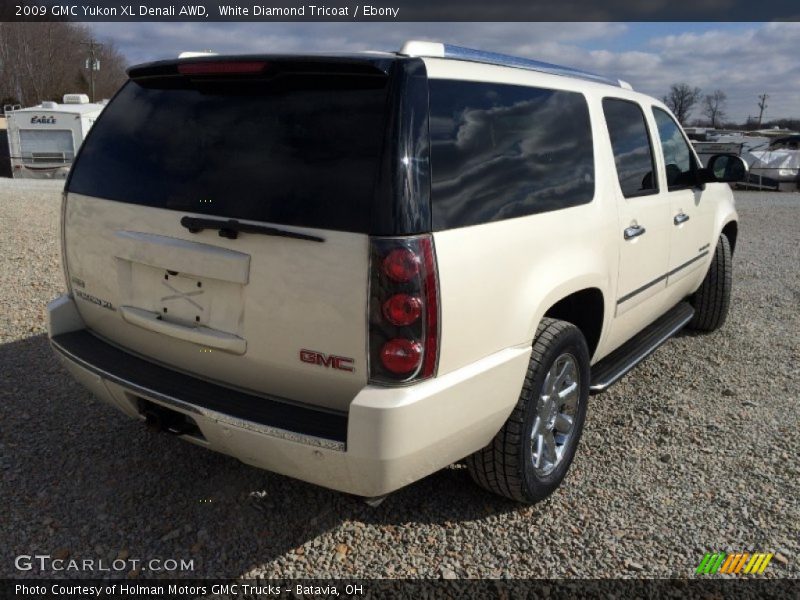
[
  {"x": 153, "y": 421},
  {"x": 160, "y": 419}
]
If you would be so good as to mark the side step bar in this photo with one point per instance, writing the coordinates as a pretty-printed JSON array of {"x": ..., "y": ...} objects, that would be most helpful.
[{"x": 611, "y": 369}]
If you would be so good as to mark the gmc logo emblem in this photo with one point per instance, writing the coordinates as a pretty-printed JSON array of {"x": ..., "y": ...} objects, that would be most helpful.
[{"x": 332, "y": 362}]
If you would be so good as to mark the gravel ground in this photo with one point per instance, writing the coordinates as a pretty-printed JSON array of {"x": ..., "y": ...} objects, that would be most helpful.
[{"x": 694, "y": 452}]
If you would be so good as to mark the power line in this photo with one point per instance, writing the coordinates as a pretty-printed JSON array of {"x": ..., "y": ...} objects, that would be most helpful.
[{"x": 93, "y": 64}]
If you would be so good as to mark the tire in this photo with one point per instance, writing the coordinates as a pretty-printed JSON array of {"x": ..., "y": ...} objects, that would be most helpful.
[
  {"x": 712, "y": 300},
  {"x": 507, "y": 465}
]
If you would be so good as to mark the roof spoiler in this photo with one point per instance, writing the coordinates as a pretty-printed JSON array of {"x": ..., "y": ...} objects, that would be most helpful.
[{"x": 268, "y": 65}]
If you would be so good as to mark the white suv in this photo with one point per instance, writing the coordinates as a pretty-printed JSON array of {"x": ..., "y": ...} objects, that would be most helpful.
[{"x": 358, "y": 269}]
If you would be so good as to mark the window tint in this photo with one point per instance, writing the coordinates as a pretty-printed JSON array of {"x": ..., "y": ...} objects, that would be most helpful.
[
  {"x": 299, "y": 150},
  {"x": 504, "y": 151},
  {"x": 630, "y": 142},
  {"x": 678, "y": 158}
]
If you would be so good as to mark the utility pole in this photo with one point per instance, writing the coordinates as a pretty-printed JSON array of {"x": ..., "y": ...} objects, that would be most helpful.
[
  {"x": 92, "y": 63},
  {"x": 762, "y": 104}
]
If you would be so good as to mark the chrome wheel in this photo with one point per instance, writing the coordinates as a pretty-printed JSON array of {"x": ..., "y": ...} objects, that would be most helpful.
[{"x": 556, "y": 409}]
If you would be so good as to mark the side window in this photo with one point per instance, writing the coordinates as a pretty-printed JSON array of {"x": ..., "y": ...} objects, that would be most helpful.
[
  {"x": 678, "y": 158},
  {"x": 503, "y": 151},
  {"x": 630, "y": 142}
]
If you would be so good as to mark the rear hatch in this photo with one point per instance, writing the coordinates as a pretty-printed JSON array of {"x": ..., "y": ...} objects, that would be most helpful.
[{"x": 217, "y": 219}]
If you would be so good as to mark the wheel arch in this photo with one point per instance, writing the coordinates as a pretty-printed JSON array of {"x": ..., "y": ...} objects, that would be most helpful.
[
  {"x": 585, "y": 308},
  {"x": 731, "y": 230}
]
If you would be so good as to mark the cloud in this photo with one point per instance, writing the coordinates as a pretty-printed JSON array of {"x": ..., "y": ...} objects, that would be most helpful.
[
  {"x": 743, "y": 62},
  {"x": 149, "y": 41}
]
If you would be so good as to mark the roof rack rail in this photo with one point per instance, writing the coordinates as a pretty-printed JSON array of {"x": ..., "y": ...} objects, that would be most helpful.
[{"x": 439, "y": 50}]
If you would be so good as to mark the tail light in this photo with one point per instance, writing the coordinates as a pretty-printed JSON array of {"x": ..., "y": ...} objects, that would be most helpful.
[
  {"x": 401, "y": 265},
  {"x": 403, "y": 310},
  {"x": 401, "y": 356}
]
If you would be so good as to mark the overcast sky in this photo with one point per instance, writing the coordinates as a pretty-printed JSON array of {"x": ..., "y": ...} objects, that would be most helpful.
[{"x": 742, "y": 59}]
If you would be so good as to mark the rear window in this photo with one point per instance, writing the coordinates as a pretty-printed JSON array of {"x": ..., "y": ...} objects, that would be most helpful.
[
  {"x": 301, "y": 150},
  {"x": 504, "y": 151},
  {"x": 45, "y": 145}
]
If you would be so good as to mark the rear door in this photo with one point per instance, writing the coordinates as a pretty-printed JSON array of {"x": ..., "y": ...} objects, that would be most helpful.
[
  {"x": 643, "y": 213},
  {"x": 273, "y": 304}
]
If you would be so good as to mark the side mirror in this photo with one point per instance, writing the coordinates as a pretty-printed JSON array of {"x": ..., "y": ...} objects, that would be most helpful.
[{"x": 725, "y": 168}]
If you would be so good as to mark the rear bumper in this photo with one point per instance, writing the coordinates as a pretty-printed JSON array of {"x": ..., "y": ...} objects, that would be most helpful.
[
  {"x": 21, "y": 170},
  {"x": 389, "y": 438}
]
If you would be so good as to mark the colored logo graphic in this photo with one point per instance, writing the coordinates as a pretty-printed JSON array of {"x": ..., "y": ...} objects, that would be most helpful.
[{"x": 734, "y": 564}]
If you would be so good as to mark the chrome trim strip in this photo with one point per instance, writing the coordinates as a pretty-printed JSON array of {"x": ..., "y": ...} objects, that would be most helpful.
[
  {"x": 62, "y": 227},
  {"x": 687, "y": 263},
  {"x": 661, "y": 278},
  {"x": 604, "y": 385},
  {"x": 184, "y": 406}
]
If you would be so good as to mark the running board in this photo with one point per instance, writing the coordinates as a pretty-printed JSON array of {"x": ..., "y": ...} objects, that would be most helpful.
[{"x": 611, "y": 369}]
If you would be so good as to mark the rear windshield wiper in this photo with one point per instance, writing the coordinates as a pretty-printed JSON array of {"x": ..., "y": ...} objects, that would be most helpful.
[{"x": 231, "y": 229}]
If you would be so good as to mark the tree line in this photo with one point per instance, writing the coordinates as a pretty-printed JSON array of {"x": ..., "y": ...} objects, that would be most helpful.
[
  {"x": 44, "y": 61},
  {"x": 683, "y": 98}
]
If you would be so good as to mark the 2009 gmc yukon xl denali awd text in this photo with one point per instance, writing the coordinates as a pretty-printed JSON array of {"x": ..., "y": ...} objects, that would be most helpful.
[{"x": 358, "y": 269}]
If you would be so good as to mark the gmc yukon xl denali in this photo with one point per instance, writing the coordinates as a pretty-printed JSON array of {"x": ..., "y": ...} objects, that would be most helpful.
[{"x": 358, "y": 269}]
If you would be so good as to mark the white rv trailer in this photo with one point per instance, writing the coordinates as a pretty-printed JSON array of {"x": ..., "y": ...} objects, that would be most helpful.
[{"x": 44, "y": 139}]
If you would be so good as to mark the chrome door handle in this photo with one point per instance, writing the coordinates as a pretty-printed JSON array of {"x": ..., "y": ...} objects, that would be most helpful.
[
  {"x": 680, "y": 218},
  {"x": 633, "y": 231}
]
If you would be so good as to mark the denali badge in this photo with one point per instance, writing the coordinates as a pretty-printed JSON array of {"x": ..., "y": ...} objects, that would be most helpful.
[{"x": 334, "y": 362}]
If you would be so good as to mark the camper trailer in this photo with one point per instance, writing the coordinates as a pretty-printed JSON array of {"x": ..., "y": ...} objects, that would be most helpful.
[{"x": 43, "y": 139}]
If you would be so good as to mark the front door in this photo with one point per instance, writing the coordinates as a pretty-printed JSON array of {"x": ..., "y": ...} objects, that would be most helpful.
[{"x": 691, "y": 216}]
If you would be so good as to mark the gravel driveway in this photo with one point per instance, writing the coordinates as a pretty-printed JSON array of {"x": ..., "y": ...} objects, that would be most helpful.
[{"x": 695, "y": 451}]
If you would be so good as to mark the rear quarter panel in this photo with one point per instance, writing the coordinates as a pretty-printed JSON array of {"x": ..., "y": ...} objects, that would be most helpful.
[{"x": 499, "y": 279}]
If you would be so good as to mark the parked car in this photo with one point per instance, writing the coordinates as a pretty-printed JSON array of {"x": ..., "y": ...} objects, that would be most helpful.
[{"x": 358, "y": 269}]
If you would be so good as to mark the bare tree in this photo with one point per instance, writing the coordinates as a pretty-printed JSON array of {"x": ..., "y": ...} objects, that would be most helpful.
[
  {"x": 681, "y": 100},
  {"x": 43, "y": 61},
  {"x": 714, "y": 107},
  {"x": 762, "y": 105}
]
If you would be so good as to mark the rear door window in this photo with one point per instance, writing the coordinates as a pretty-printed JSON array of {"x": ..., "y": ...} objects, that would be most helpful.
[
  {"x": 301, "y": 150},
  {"x": 630, "y": 142},
  {"x": 503, "y": 151},
  {"x": 45, "y": 145}
]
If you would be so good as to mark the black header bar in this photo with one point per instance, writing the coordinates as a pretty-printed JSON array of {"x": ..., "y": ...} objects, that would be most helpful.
[{"x": 400, "y": 10}]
